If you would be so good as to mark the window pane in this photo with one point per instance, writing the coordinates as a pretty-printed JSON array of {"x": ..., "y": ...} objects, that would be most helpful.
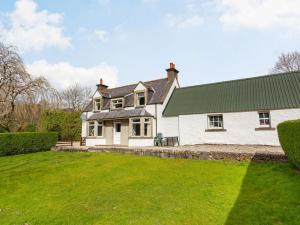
[
  {"x": 118, "y": 127},
  {"x": 215, "y": 121},
  {"x": 142, "y": 101},
  {"x": 140, "y": 98},
  {"x": 91, "y": 129},
  {"x": 146, "y": 129},
  {"x": 99, "y": 130},
  {"x": 136, "y": 129},
  {"x": 264, "y": 119},
  {"x": 97, "y": 103},
  {"x": 136, "y": 120}
]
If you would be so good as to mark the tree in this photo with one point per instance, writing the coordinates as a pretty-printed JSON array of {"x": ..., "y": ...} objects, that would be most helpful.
[
  {"x": 287, "y": 63},
  {"x": 15, "y": 83},
  {"x": 76, "y": 97},
  {"x": 66, "y": 124}
]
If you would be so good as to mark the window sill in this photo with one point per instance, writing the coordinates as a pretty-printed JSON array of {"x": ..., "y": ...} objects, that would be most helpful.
[
  {"x": 140, "y": 106},
  {"x": 264, "y": 128},
  {"x": 141, "y": 137},
  {"x": 215, "y": 130},
  {"x": 116, "y": 109},
  {"x": 95, "y": 137}
]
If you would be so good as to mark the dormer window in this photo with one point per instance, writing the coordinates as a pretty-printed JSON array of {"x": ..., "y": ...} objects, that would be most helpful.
[
  {"x": 117, "y": 103},
  {"x": 97, "y": 104},
  {"x": 140, "y": 99}
]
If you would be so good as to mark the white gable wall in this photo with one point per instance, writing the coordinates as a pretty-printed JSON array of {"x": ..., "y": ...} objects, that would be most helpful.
[
  {"x": 140, "y": 87},
  {"x": 168, "y": 126},
  {"x": 240, "y": 128}
]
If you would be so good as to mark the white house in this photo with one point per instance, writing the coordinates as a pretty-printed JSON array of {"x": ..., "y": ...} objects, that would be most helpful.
[
  {"x": 245, "y": 111},
  {"x": 130, "y": 115}
]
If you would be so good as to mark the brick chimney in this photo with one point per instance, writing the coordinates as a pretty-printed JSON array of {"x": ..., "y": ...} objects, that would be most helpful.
[
  {"x": 101, "y": 86},
  {"x": 172, "y": 72}
]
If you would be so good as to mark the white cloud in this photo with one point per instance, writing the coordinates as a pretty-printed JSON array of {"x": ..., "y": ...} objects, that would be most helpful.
[
  {"x": 182, "y": 22},
  {"x": 102, "y": 35},
  {"x": 30, "y": 29},
  {"x": 190, "y": 18},
  {"x": 62, "y": 74},
  {"x": 261, "y": 13}
]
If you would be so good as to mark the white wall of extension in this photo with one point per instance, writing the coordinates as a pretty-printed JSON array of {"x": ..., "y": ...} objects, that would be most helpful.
[
  {"x": 140, "y": 142},
  {"x": 240, "y": 128},
  {"x": 95, "y": 141}
]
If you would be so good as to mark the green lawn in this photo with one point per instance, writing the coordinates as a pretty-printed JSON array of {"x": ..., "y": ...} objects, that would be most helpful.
[{"x": 98, "y": 188}]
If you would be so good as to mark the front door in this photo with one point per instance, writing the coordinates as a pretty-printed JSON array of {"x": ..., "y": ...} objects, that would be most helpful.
[{"x": 117, "y": 133}]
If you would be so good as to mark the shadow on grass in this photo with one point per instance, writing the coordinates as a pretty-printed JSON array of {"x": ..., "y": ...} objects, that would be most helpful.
[{"x": 270, "y": 194}]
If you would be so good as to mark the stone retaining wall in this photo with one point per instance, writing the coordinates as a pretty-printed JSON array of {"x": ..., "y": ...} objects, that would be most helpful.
[{"x": 186, "y": 154}]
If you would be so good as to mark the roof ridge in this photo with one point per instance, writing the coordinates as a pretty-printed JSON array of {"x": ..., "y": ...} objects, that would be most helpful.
[
  {"x": 242, "y": 79},
  {"x": 137, "y": 83}
]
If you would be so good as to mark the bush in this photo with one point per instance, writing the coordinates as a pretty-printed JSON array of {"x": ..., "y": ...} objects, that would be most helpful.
[
  {"x": 289, "y": 137},
  {"x": 21, "y": 143},
  {"x": 66, "y": 124}
]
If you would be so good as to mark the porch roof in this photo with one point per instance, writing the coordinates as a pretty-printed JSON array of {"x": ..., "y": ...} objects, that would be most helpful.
[{"x": 120, "y": 114}]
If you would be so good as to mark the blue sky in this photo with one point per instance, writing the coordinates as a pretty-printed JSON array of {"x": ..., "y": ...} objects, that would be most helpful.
[{"x": 127, "y": 41}]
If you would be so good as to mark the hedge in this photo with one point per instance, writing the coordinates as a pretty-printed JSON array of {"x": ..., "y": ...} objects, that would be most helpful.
[
  {"x": 289, "y": 137},
  {"x": 66, "y": 124},
  {"x": 26, "y": 142}
]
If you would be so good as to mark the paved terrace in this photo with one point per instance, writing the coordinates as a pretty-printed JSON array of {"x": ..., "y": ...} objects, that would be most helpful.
[{"x": 203, "y": 152}]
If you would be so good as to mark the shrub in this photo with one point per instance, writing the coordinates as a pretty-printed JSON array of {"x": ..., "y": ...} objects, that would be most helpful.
[
  {"x": 21, "y": 143},
  {"x": 66, "y": 124},
  {"x": 289, "y": 137}
]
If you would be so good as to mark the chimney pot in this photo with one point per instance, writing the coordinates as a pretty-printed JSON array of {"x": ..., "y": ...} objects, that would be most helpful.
[
  {"x": 101, "y": 81},
  {"x": 172, "y": 65}
]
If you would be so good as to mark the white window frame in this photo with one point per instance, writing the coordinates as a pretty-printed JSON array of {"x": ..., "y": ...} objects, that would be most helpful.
[
  {"x": 100, "y": 123},
  {"x": 133, "y": 134},
  {"x": 142, "y": 121},
  {"x": 215, "y": 117},
  {"x": 115, "y": 101},
  {"x": 95, "y": 106},
  {"x": 264, "y": 119},
  {"x": 138, "y": 98},
  {"x": 90, "y": 124},
  {"x": 149, "y": 129}
]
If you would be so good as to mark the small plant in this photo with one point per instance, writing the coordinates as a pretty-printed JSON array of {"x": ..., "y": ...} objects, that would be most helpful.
[{"x": 289, "y": 137}]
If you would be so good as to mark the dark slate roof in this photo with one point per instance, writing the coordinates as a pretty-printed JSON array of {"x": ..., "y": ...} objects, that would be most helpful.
[
  {"x": 278, "y": 91},
  {"x": 156, "y": 94},
  {"x": 119, "y": 114}
]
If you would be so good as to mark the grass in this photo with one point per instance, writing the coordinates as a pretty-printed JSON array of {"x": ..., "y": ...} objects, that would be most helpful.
[{"x": 98, "y": 188}]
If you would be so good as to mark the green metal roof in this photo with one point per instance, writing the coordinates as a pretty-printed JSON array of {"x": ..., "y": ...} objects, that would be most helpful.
[{"x": 278, "y": 91}]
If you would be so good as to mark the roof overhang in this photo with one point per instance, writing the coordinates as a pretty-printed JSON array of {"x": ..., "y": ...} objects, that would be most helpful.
[{"x": 120, "y": 114}]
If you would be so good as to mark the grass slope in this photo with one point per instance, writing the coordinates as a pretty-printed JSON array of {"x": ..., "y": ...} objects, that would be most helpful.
[{"x": 86, "y": 188}]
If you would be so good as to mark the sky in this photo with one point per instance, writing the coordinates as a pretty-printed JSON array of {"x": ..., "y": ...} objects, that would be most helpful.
[{"x": 126, "y": 41}]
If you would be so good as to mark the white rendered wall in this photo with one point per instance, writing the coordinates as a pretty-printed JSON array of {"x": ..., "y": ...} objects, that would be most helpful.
[
  {"x": 140, "y": 142},
  {"x": 168, "y": 126},
  {"x": 95, "y": 141},
  {"x": 240, "y": 128}
]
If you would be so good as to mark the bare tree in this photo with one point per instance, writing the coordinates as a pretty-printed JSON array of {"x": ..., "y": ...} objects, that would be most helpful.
[
  {"x": 15, "y": 84},
  {"x": 287, "y": 63},
  {"x": 76, "y": 97}
]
